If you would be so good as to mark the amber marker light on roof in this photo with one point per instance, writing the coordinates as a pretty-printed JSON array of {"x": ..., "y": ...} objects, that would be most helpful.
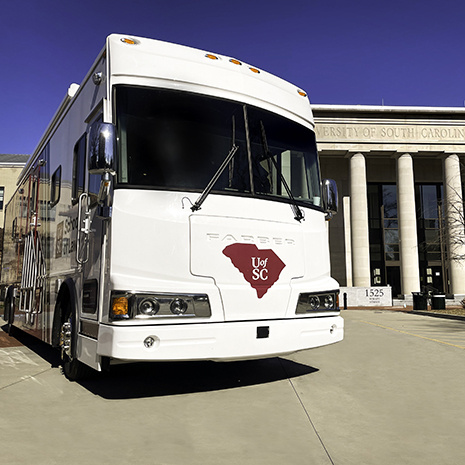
[
  {"x": 236, "y": 62},
  {"x": 129, "y": 41},
  {"x": 302, "y": 93},
  {"x": 211, "y": 56},
  {"x": 255, "y": 70}
]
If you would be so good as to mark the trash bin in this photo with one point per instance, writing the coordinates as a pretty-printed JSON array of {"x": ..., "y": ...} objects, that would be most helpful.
[
  {"x": 420, "y": 301},
  {"x": 438, "y": 302}
]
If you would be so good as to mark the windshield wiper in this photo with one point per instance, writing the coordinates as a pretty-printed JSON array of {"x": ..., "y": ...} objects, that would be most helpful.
[
  {"x": 198, "y": 203},
  {"x": 298, "y": 215}
]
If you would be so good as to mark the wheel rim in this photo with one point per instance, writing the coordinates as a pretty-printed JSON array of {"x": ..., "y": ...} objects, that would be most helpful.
[{"x": 65, "y": 340}]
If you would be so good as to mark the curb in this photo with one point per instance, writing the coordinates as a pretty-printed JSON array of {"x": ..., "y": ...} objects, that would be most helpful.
[{"x": 446, "y": 316}]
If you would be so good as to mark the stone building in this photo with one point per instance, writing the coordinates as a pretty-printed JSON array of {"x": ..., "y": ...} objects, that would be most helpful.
[
  {"x": 10, "y": 168},
  {"x": 399, "y": 174}
]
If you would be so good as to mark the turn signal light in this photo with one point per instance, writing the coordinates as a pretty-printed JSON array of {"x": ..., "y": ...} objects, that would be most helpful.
[{"x": 120, "y": 307}]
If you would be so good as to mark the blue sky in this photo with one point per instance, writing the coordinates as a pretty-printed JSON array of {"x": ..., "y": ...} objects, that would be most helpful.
[{"x": 409, "y": 52}]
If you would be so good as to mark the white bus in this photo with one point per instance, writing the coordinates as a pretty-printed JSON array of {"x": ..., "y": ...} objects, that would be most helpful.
[{"x": 173, "y": 210}]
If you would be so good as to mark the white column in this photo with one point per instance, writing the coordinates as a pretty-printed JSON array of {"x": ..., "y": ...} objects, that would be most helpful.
[
  {"x": 359, "y": 221},
  {"x": 408, "y": 239},
  {"x": 455, "y": 224},
  {"x": 347, "y": 240}
]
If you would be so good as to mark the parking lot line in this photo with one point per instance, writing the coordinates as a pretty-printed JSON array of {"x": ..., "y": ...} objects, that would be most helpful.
[{"x": 416, "y": 335}]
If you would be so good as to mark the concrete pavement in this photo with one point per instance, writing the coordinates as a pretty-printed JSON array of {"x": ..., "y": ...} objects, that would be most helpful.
[{"x": 391, "y": 393}]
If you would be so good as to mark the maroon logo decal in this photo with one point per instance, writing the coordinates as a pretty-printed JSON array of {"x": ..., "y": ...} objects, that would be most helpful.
[{"x": 261, "y": 268}]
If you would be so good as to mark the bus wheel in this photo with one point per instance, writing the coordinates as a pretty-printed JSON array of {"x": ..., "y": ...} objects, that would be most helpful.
[{"x": 73, "y": 369}]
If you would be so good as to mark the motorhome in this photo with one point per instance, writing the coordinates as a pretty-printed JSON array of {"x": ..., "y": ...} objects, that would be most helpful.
[{"x": 173, "y": 210}]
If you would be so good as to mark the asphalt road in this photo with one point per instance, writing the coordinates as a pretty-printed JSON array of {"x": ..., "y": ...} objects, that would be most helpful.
[{"x": 393, "y": 392}]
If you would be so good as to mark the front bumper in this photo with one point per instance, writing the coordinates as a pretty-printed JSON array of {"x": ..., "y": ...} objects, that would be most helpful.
[{"x": 218, "y": 341}]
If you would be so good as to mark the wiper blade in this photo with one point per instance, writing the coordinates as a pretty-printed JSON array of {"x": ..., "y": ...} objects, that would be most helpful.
[
  {"x": 198, "y": 203},
  {"x": 298, "y": 215}
]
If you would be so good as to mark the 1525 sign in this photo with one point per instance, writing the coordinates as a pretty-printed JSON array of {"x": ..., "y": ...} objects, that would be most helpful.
[{"x": 374, "y": 292}]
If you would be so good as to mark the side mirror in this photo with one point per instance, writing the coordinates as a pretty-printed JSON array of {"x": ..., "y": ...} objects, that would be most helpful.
[
  {"x": 330, "y": 200},
  {"x": 102, "y": 149}
]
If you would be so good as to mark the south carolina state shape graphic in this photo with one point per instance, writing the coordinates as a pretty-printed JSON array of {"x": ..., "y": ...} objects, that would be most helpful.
[{"x": 260, "y": 268}]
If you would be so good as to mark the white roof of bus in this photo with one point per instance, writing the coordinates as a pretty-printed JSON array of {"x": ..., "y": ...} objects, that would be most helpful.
[
  {"x": 149, "y": 62},
  {"x": 155, "y": 63}
]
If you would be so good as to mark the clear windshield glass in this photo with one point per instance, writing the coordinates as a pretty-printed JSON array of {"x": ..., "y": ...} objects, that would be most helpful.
[{"x": 177, "y": 140}]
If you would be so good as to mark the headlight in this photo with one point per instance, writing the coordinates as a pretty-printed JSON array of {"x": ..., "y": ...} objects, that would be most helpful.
[
  {"x": 126, "y": 305},
  {"x": 314, "y": 302},
  {"x": 149, "y": 307},
  {"x": 328, "y": 301},
  {"x": 178, "y": 306},
  {"x": 321, "y": 302}
]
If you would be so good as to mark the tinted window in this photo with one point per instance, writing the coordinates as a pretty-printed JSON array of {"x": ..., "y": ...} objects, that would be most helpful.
[
  {"x": 55, "y": 187},
  {"x": 79, "y": 165},
  {"x": 177, "y": 140}
]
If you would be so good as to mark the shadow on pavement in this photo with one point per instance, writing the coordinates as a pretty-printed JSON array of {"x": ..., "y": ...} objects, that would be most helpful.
[
  {"x": 155, "y": 379},
  {"x": 20, "y": 338}
]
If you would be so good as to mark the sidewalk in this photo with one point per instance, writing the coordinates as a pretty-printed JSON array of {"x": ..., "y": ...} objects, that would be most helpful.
[{"x": 453, "y": 313}]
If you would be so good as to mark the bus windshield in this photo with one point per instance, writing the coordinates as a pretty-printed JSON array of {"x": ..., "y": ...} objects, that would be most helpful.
[{"x": 176, "y": 140}]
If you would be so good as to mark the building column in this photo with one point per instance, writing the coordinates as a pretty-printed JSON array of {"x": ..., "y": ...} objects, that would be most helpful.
[
  {"x": 359, "y": 222},
  {"x": 455, "y": 223},
  {"x": 408, "y": 239},
  {"x": 347, "y": 240}
]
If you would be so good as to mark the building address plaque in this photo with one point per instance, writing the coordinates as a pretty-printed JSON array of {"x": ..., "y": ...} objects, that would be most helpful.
[{"x": 378, "y": 296}]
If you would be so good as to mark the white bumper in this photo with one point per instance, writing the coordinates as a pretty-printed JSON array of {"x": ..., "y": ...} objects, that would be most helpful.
[{"x": 219, "y": 341}]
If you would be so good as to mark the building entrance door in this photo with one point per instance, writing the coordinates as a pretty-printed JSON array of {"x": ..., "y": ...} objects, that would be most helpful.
[
  {"x": 393, "y": 279},
  {"x": 433, "y": 279}
]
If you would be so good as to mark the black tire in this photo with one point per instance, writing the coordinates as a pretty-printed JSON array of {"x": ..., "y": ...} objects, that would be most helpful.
[
  {"x": 5, "y": 311},
  {"x": 73, "y": 369},
  {"x": 9, "y": 314}
]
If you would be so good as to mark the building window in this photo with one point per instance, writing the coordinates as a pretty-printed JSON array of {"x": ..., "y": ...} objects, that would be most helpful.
[
  {"x": 431, "y": 243},
  {"x": 2, "y": 197},
  {"x": 390, "y": 222},
  {"x": 384, "y": 236},
  {"x": 385, "y": 240}
]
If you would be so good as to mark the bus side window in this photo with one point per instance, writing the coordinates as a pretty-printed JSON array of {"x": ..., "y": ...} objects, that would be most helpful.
[
  {"x": 14, "y": 229},
  {"x": 93, "y": 182},
  {"x": 79, "y": 165},
  {"x": 32, "y": 206},
  {"x": 55, "y": 187}
]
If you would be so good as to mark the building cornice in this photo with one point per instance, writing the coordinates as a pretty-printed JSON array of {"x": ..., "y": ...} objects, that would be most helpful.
[{"x": 388, "y": 109}]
